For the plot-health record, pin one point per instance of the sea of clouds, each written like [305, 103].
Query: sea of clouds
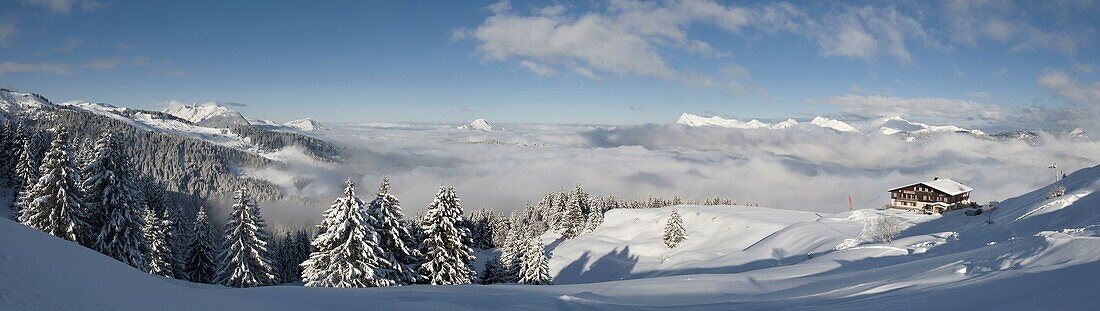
[804, 168]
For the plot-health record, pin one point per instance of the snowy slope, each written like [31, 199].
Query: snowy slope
[1039, 254]
[207, 114]
[307, 124]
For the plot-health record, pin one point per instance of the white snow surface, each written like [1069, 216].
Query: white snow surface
[1038, 254]
[477, 125]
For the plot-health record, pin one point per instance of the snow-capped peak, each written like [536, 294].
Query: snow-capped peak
[698, 121]
[307, 124]
[209, 114]
[837, 125]
[477, 125]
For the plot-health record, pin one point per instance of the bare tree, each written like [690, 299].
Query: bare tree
[884, 229]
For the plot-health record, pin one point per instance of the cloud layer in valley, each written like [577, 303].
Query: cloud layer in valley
[800, 168]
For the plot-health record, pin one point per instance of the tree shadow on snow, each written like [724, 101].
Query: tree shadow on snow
[616, 265]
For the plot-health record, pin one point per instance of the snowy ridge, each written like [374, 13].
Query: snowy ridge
[716, 121]
[896, 125]
[307, 124]
[207, 114]
[838, 125]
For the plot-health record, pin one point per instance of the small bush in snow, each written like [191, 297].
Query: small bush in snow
[884, 229]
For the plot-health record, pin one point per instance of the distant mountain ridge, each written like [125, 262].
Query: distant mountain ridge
[207, 114]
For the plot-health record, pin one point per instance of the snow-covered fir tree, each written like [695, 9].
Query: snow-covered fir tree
[447, 257]
[674, 230]
[534, 266]
[281, 253]
[25, 176]
[244, 260]
[595, 218]
[346, 251]
[117, 216]
[393, 236]
[159, 253]
[199, 260]
[494, 271]
[8, 155]
[481, 229]
[53, 205]
[178, 239]
[572, 222]
[511, 255]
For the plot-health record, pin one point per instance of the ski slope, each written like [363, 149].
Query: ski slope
[1038, 253]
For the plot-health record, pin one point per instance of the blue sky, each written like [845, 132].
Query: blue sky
[616, 62]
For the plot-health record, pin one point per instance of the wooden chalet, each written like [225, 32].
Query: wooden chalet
[936, 196]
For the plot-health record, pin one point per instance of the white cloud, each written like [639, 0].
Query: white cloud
[1061, 83]
[45, 68]
[970, 22]
[537, 68]
[8, 28]
[587, 73]
[978, 95]
[104, 63]
[628, 38]
[928, 108]
[1085, 98]
[777, 168]
[64, 6]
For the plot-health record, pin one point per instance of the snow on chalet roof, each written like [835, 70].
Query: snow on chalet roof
[950, 187]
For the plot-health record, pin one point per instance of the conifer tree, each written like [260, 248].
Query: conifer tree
[199, 262]
[244, 260]
[8, 155]
[346, 252]
[573, 219]
[447, 257]
[535, 266]
[52, 205]
[674, 230]
[159, 253]
[117, 213]
[494, 272]
[25, 176]
[179, 238]
[393, 236]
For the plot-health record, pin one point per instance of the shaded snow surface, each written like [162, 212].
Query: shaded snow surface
[1039, 254]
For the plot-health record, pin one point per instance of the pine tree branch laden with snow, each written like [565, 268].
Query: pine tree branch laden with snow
[244, 260]
[200, 260]
[386, 212]
[674, 230]
[52, 205]
[346, 252]
[447, 257]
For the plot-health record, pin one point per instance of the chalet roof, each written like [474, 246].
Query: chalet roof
[948, 186]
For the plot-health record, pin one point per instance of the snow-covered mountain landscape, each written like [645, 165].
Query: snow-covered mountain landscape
[549, 155]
